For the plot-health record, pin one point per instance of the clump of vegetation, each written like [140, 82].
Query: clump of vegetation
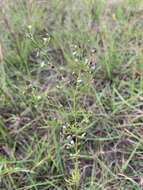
[71, 95]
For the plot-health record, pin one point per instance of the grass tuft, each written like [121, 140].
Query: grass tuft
[71, 95]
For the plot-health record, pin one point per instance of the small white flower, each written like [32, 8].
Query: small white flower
[72, 142]
[42, 64]
[64, 126]
[29, 26]
[83, 135]
[74, 53]
[45, 39]
[79, 81]
[69, 137]
[38, 97]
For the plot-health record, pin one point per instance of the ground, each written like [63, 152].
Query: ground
[71, 95]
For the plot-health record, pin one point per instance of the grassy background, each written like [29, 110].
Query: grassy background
[71, 95]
